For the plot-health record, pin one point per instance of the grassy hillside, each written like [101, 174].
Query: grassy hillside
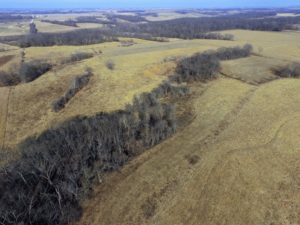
[236, 163]
[139, 68]
[279, 45]
[253, 70]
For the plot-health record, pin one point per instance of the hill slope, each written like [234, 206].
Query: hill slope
[138, 69]
[236, 163]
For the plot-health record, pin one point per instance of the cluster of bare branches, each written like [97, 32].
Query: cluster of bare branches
[291, 70]
[205, 66]
[76, 85]
[56, 169]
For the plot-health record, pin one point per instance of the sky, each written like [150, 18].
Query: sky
[138, 4]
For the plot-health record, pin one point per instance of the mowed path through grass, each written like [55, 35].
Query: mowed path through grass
[4, 99]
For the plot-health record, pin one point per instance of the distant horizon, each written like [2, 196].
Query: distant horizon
[153, 8]
[143, 4]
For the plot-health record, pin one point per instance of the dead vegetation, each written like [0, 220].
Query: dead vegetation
[5, 59]
[254, 70]
[288, 71]
[192, 159]
[77, 56]
[9, 78]
[56, 169]
[110, 65]
[32, 70]
[149, 208]
[205, 66]
[127, 43]
[76, 85]
[27, 72]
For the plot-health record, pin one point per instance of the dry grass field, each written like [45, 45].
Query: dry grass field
[170, 15]
[236, 162]
[145, 58]
[20, 28]
[253, 70]
[49, 27]
[139, 69]
[69, 16]
[278, 45]
[287, 14]
[10, 58]
[53, 28]
[13, 28]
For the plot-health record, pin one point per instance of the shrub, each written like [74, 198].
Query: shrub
[9, 78]
[70, 23]
[204, 66]
[149, 208]
[78, 56]
[234, 52]
[110, 65]
[32, 28]
[7, 155]
[76, 85]
[127, 43]
[32, 70]
[167, 89]
[26, 73]
[199, 67]
[192, 159]
[290, 70]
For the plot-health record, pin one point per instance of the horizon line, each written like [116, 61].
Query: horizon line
[147, 8]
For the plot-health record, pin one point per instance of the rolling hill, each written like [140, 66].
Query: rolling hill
[234, 159]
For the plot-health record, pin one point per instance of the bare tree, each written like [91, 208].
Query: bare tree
[32, 28]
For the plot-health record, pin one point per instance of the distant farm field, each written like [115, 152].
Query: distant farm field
[173, 15]
[279, 45]
[287, 14]
[13, 28]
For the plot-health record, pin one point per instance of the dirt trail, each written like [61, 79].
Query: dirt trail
[196, 177]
